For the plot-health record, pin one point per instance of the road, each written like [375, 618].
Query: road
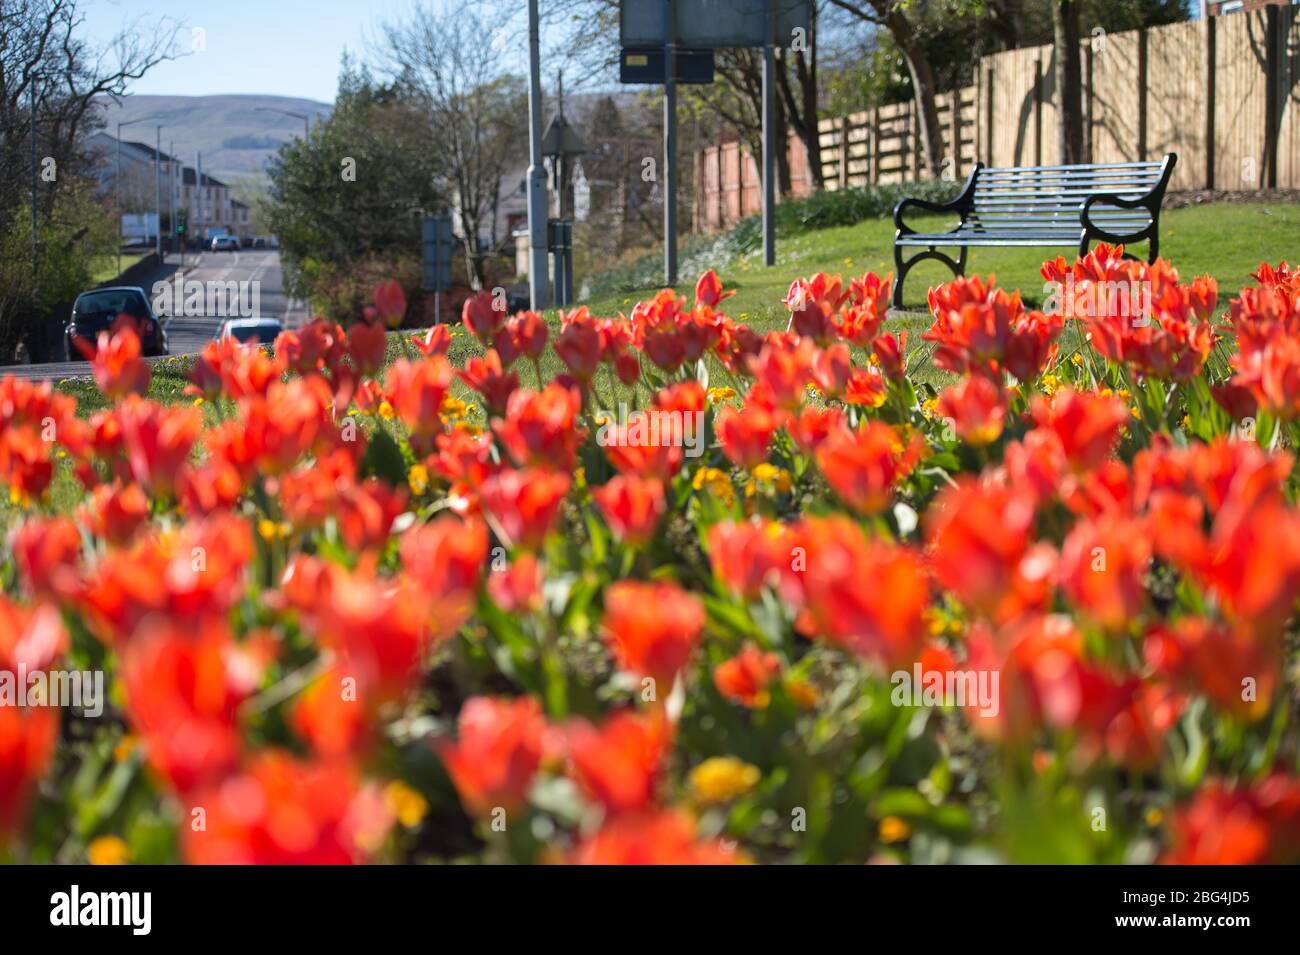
[187, 333]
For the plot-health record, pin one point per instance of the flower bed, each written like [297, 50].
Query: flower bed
[793, 607]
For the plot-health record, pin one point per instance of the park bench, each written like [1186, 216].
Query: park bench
[1030, 206]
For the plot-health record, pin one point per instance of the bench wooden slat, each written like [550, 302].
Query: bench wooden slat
[1144, 164]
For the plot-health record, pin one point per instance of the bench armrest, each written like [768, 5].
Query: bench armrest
[960, 205]
[1150, 200]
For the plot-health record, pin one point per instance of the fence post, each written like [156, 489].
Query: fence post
[1272, 75]
[1142, 94]
[844, 152]
[1087, 101]
[1207, 74]
[1038, 111]
[916, 139]
[874, 173]
[955, 100]
[988, 119]
[722, 189]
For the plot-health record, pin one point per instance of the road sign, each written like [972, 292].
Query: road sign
[712, 24]
[436, 246]
[646, 65]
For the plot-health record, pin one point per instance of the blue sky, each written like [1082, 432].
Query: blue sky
[284, 47]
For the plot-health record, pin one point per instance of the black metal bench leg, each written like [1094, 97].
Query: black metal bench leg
[957, 265]
[900, 271]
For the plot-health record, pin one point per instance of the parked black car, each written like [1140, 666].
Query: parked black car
[97, 310]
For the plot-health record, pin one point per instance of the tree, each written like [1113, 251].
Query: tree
[450, 64]
[44, 59]
[1069, 81]
[893, 16]
[355, 187]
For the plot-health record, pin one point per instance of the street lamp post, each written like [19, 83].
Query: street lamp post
[538, 287]
[157, 186]
[306, 120]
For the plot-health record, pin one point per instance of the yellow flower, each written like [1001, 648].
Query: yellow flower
[1077, 360]
[717, 395]
[1050, 384]
[893, 829]
[108, 850]
[269, 530]
[1154, 817]
[929, 407]
[418, 479]
[385, 410]
[723, 778]
[198, 401]
[405, 803]
[717, 482]
[124, 748]
[802, 692]
[453, 407]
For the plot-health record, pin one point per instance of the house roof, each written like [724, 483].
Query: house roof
[188, 177]
[149, 151]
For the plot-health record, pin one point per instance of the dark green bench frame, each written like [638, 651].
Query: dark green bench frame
[1040, 206]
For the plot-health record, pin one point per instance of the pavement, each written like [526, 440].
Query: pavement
[187, 334]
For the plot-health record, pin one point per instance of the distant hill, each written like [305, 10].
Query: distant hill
[236, 134]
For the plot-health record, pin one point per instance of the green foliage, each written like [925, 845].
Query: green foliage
[354, 188]
[72, 236]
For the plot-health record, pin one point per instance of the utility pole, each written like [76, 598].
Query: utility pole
[171, 195]
[538, 286]
[670, 144]
[198, 203]
[33, 107]
[157, 196]
[769, 131]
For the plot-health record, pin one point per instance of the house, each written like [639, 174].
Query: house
[207, 206]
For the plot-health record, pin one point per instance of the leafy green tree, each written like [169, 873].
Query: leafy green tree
[356, 187]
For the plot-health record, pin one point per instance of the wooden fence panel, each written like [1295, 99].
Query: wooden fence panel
[1175, 87]
[1239, 115]
[1223, 94]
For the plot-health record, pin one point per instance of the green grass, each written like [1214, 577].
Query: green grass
[1225, 240]
[106, 269]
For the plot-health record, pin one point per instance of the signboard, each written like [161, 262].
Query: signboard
[646, 65]
[436, 251]
[711, 24]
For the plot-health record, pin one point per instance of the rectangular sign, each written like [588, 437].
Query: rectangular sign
[647, 66]
[436, 251]
[712, 24]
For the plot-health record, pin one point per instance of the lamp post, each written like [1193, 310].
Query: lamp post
[538, 289]
[559, 143]
[117, 186]
[306, 120]
[157, 189]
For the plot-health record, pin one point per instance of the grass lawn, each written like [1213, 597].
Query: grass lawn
[106, 267]
[1226, 240]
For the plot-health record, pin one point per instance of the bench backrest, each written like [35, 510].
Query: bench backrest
[1066, 187]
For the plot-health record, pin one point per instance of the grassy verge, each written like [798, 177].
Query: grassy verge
[105, 268]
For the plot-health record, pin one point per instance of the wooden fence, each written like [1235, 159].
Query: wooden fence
[884, 144]
[728, 186]
[1223, 93]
